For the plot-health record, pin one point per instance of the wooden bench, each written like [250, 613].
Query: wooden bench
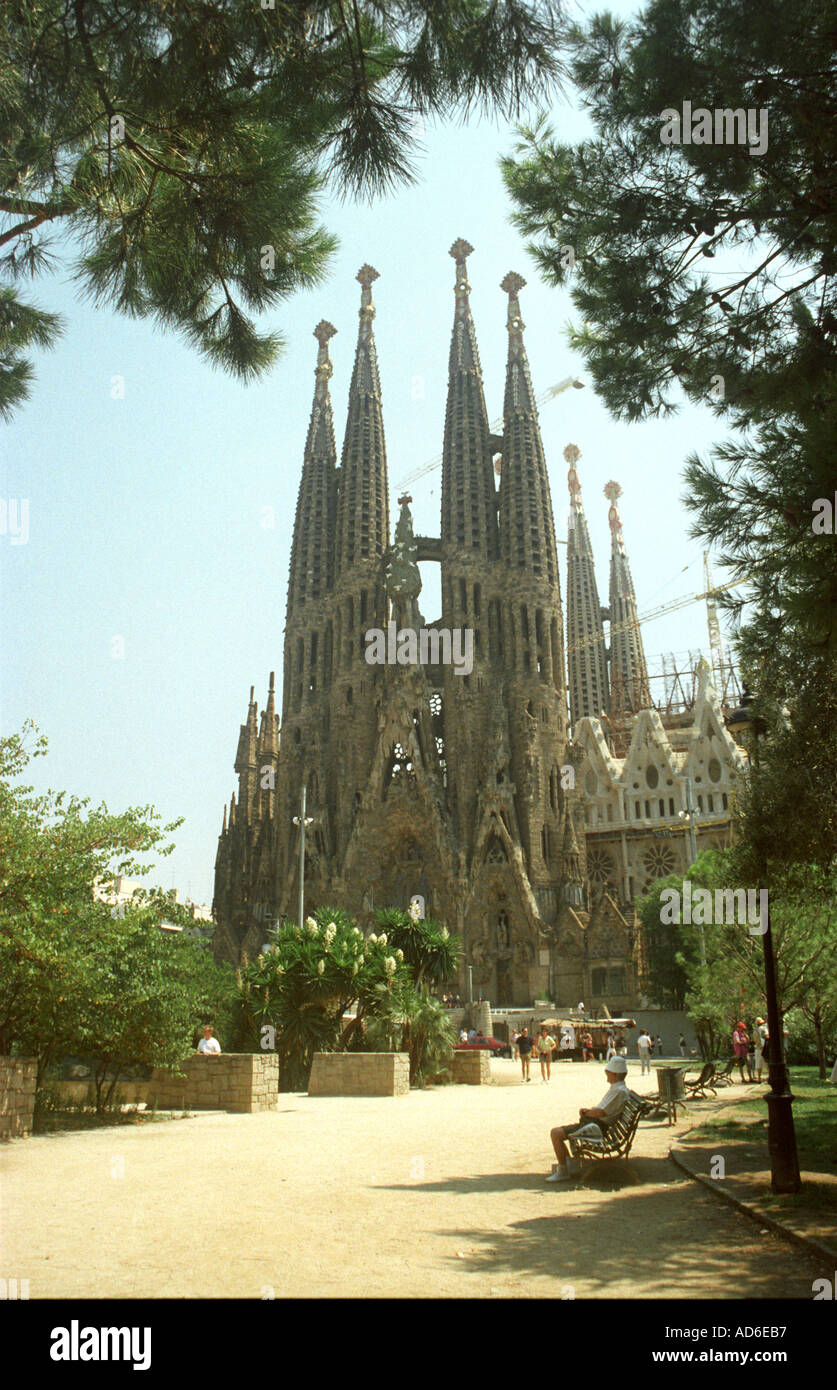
[706, 1081]
[725, 1077]
[616, 1139]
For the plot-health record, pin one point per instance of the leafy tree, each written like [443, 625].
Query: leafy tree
[77, 977]
[185, 142]
[667, 980]
[723, 961]
[145, 993]
[53, 849]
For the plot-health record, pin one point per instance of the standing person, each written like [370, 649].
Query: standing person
[759, 1035]
[659, 1046]
[643, 1047]
[546, 1043]
[587, 1047]
[591, 1122]
[740, 1046]
[751, 1056]
[682, 1046]
[208, 1043]
[611, 1047]
[524, 1051]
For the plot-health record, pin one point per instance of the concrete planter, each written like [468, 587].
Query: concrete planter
[360, 1074]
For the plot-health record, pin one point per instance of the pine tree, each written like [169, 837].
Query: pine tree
[709, 270]
[183, 144]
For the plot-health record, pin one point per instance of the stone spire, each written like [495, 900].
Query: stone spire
[586, 651]
[469, 509]
[312, 552]
[527, 529]
[269, 730]
[246, 758]
[629, 689]
[363, 502]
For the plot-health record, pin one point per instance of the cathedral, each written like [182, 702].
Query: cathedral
[528, 793]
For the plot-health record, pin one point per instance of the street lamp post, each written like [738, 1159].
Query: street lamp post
[302, 820]
[689, 816]
[470, 984]
[781, 1135]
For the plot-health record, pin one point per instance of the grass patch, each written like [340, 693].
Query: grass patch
[815, 1121]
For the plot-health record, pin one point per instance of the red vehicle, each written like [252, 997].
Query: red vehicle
[482, 1044]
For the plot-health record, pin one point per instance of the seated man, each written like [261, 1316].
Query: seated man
[593, 1122]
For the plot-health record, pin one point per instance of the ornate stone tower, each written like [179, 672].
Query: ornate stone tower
[629, 690]
[422, 777]
[586, 651]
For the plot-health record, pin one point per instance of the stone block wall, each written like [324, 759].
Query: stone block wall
[17, 1096]
[360, 1074]
[471, 1068]
[240, 1081]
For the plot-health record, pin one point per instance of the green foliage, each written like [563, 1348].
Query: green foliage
[75, 978]
[422, 1027]
[803, 1044]
[723, 964]
[300, 990]
[430, 952]
[709, 272]
[667, 980]
[179, 141]
[296, 996]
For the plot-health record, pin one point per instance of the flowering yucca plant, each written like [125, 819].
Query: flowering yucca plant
[429, 951]
[306, 983]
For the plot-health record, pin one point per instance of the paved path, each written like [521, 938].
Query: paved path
[437, 1193]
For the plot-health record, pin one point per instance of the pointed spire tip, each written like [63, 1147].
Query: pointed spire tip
[512, 282]
[460, 250]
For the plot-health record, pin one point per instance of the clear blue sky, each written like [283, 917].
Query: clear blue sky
[146, 512]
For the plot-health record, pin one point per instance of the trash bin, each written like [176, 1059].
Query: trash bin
[671, 1084]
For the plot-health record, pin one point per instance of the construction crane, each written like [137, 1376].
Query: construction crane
[495, 430]
[672, 607]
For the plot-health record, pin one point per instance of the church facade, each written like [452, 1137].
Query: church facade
[488, 785]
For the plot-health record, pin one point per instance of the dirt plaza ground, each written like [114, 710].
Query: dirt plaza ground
[439, 1193]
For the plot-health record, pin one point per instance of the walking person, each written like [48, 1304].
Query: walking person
[759, 1035]
[546, 1043]
[682, 1046]
[741, 1047]
[643, 1047]
[611, 1047]
[524, 1052]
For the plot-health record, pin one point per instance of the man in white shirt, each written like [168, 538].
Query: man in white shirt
[644, 1044]
[207, 1042]
[591, 1122]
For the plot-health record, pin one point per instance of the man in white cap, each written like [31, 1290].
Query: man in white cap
[592, 1122]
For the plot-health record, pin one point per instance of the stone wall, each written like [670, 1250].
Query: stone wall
[17, 1096]
[240, 1081]
[471, 1068]
[360, 1074]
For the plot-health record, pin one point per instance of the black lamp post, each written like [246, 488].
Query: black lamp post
[781, 1135]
